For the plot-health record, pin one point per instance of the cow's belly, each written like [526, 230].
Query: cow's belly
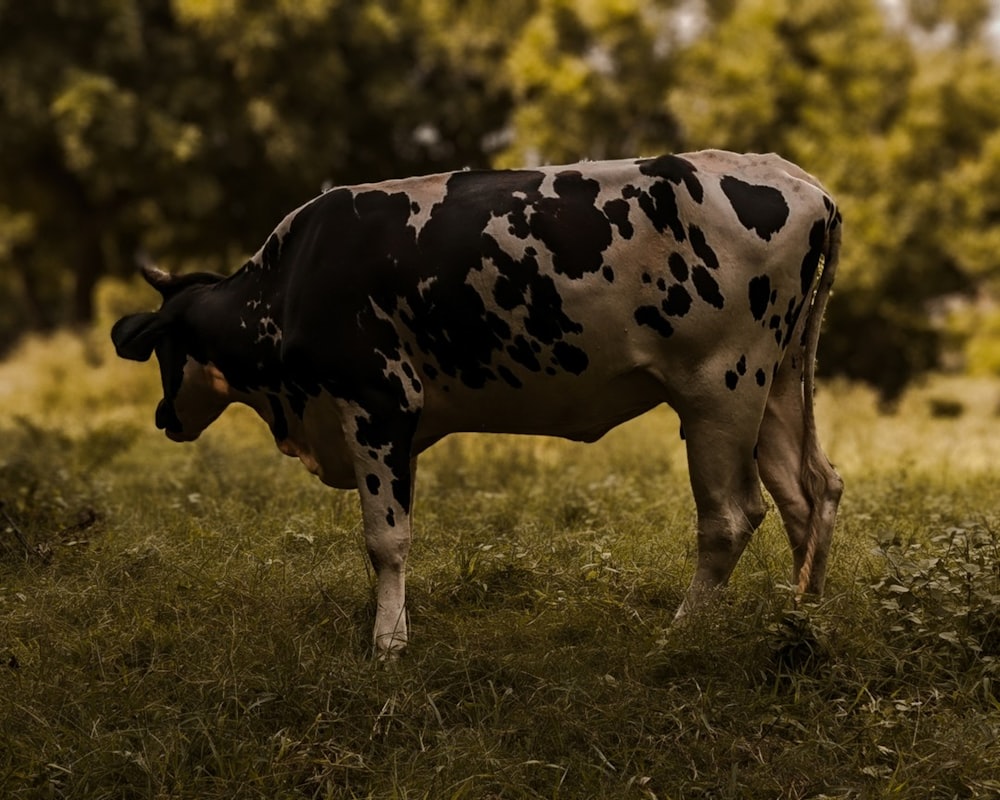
[573, 407]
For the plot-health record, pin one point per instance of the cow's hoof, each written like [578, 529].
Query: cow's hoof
[390, 656]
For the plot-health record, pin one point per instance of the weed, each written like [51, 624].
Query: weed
[943, 591]
[797, 645]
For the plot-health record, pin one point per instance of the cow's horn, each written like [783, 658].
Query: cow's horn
[156, 277]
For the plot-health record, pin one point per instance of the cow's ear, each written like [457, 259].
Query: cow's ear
[136, 335]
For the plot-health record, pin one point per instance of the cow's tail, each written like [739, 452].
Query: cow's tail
[821, 482]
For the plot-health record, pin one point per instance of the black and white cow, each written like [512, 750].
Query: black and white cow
[378, 318]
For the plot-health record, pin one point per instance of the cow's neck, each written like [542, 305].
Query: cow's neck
[242, 320]
[234, 329]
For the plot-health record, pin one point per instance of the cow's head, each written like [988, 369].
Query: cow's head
[195, 391]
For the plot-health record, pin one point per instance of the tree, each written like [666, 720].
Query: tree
[187, 129]
[588, 80]
[97, 145]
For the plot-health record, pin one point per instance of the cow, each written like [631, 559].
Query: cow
[561, 300]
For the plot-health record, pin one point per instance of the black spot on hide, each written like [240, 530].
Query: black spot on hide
[571, 226]
[701, 247]
[390, 439]
[650, 316]
[760, 292]
[678, 301]
[509, 377]
[659, 202]
[707, 287]
[759, 208]
[617, 213]
[678, 267]
[676, 170]
[817, 239]
[570, 357]
[522, 352]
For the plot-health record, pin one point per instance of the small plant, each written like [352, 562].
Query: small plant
[796, 645]
[946, 592]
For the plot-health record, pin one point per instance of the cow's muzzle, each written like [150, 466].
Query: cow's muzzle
[166, 421]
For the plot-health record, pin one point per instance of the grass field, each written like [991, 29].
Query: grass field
[193, 621]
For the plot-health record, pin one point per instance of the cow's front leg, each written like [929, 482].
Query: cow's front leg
[387, 540]
[385, 468]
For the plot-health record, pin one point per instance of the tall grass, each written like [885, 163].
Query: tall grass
[194, 621]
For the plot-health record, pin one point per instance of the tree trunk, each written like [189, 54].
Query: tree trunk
[89, 268]
[37, 314]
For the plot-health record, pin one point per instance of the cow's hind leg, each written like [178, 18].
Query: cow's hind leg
[727, 494]
[794, 468]
[798, 475]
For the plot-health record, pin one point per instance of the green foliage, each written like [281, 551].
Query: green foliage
[961, 20]
[979, 329]
[793, 77]
[188, 129]
[588, 79]
[944, 593]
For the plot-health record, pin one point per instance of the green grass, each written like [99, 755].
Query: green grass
[194, 621]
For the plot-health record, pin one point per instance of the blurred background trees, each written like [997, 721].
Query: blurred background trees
[185, 129]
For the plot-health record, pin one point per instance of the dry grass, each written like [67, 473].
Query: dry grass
[193, 621]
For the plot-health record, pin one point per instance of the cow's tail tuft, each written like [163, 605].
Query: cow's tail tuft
[820, 481]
